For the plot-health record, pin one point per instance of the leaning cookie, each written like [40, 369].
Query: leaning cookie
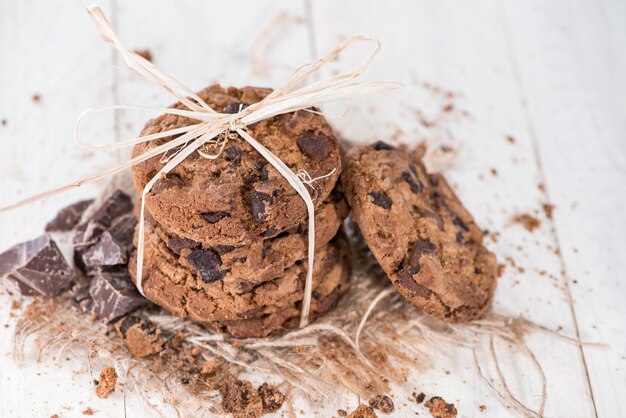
[201, 294]
[239, 196]
[419, 232]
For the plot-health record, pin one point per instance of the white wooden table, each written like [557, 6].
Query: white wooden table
[549, 74]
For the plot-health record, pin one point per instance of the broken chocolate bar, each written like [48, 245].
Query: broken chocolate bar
[68, 217]
[35, 267]
[107, 232]
[114, 295]
[113, 246]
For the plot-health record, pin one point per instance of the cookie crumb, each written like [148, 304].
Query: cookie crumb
[420, 398]
[510, 139]
[106, 384]
[382, 403]
[54, 416]
[271, 397]
[363, 411]
[342, 412]
[548, 209]
[144, 53]
[482, 408]
[88, 411]
[439, 408]
[36, 98]
[527, 221]
[15, 305]
[142, 338]
[240, 399]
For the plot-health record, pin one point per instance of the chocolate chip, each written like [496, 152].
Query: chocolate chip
[459, 222]
[380, 145]
[414, 184]
[258, 200]
[415, 253]
[233, 154]
[459, 237]
[177, 244]
[170, 182]
[208, 263]
[405, 280]
[69, 216]
[234, 107]
[223, 249]
[380, 199]
[214, 217]
[477, 270]
[36, 266]
[269, 232]
[314, 145]
[114, 295]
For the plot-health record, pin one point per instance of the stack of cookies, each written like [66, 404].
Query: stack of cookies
[226, 239]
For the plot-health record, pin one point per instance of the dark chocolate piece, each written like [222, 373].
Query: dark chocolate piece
[214, 217]
[113, 246]
[315, 146]
[81, 299]
[68, 217]
[380, 145]
[381, 199]
[36, 266]
[208, 263]
[257, 205]
[114, 295]
[113, 207]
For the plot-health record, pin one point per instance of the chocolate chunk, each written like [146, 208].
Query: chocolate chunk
[113, 246]
[414, 183]
[382, 403]
[380, 145]
[208, 263]
[381, 199]
[263, 171]
[415, 253]
[420, 398]
[114, 295]
[113, 207]
[81, 299]
[314, 145]
[234, 107]
[269, 232]
[336, 195]
[233, 154]
[223, 249]
[68, 217]
[459, 237]
[166, 183]
[214, 217]
[36, 266]
[459, 222]
[408, 283]
[271, 397]
[177, 244]
[258, 200]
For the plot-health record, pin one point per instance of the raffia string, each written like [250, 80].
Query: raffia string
[214, 129]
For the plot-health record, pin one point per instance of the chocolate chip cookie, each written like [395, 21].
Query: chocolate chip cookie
[325, 297]
[196, 288]
[239, 196]
[419, 232]
[263, 259]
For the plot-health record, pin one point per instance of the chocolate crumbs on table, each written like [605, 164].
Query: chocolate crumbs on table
[363, 411]
[383, 403]
[527, 221]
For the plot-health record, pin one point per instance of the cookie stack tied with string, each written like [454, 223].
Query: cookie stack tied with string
[226, 235]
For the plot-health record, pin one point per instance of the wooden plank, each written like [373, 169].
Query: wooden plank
[571, 65]
[462, 48]
[48, 49]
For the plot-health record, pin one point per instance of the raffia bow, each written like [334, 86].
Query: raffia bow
[215, 129]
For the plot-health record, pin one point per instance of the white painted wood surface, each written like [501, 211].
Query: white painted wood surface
[549, 74]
